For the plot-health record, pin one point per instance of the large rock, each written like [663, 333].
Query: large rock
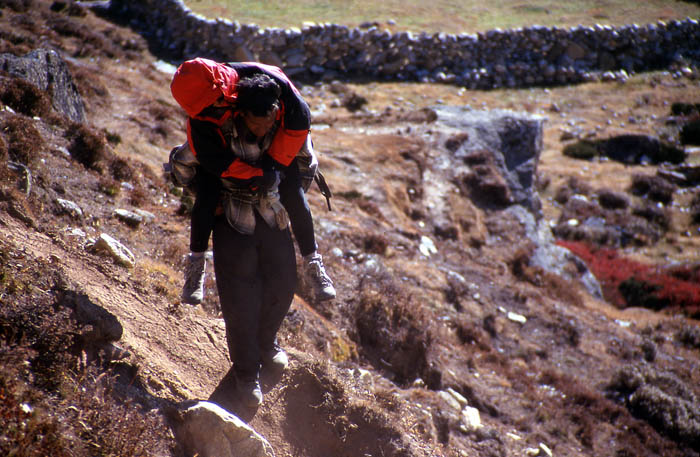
[512, 143]
[208, 430]
[497, 153]
[48, 71]
[106, 328]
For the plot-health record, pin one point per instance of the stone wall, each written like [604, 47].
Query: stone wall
[514, 58]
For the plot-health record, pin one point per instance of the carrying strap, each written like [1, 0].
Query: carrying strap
[323, 187]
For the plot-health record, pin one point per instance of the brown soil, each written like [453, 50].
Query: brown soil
[367, 369]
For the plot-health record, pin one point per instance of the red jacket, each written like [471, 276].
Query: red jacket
[200, 82]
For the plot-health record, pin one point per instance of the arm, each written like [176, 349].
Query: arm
[209, 146]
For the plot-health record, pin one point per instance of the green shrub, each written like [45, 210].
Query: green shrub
[584, 150]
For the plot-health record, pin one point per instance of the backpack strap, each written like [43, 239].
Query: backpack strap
[323, 187]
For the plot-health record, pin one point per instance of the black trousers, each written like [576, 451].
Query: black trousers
[256, 278]
[292, 197]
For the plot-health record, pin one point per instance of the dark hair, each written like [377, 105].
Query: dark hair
[257, 94]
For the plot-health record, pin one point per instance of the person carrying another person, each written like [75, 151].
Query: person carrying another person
[211, 115]
[254, 258]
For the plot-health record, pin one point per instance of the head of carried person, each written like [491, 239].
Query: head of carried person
[258, 103]
[200, 83]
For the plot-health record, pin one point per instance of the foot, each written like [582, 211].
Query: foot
[275, 358]
[249, 392]
[317, 277]
[193, 290]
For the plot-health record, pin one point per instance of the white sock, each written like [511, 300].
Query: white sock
[310, 257]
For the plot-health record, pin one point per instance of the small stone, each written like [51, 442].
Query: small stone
[471, 419]
[70, 208]
[418, 382]
[459, 397]
[450, 400]
[546, 449]
[517, 318]
[107, 245]
[146, 215]
[129, 218]
[427, 246]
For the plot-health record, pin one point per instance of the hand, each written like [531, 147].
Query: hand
[264, 183]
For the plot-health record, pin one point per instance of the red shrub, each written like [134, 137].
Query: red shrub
[626, 282]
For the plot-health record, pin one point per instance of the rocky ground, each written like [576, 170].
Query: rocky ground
[440, 315]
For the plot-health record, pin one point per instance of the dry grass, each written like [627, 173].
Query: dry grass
[162, 278]
[22, 138]
[48, 406]
[447, 16]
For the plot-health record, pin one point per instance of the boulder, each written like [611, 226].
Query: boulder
[48, 71]
[512, 139]
[106, 328]
[208, 430]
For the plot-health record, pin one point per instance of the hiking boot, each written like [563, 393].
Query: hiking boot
[317, 277]
[275, 358]
[249, 392]
[193, 290]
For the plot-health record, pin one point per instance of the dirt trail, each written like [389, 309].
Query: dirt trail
[178, 357]
[182, 356]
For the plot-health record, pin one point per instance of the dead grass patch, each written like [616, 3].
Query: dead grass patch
[163, 279]
[24, 97]
[24, 142]
[393, 333]
[47, 406]
[87, 146]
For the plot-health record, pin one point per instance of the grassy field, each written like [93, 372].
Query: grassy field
[449, 16]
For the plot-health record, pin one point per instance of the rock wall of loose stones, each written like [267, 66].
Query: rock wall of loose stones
[514, 58]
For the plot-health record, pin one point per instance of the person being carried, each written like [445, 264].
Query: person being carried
[213, 110]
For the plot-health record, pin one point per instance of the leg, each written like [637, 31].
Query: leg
[240, 288]
[278, 272]
[202, 222]
[207, 189]
[294, 200]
